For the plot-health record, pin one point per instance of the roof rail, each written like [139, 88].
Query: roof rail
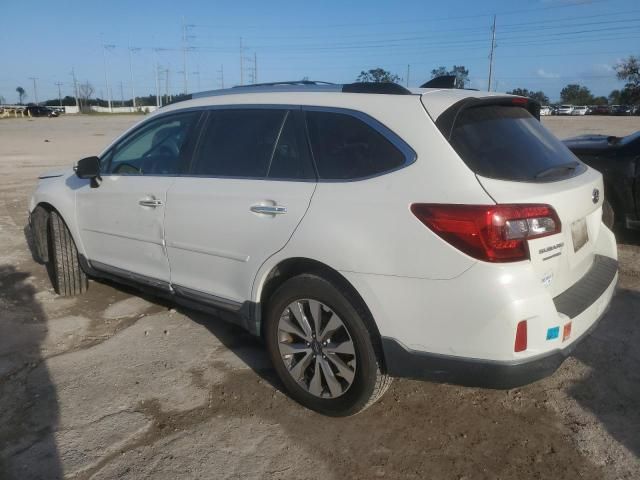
[289, 82]
[309, 86]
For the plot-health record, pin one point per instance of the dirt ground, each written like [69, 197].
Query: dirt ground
[114, 384]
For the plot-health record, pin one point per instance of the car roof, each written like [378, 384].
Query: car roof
[435, 100]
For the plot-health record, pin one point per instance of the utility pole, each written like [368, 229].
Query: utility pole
[35, 89]
[133, 91]
[166, 86]
[241, 63]
[197, 72]
[408, 72]
[75, 88]
[59, 84]
[255, 68]
[493, 47]
[221, 76]
[106, 47]
[157, 85]
[121, 94]
[185, 47]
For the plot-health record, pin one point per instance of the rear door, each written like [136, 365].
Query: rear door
[250, 185]
[517, 160]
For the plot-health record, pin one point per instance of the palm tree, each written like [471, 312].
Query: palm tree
[21, 94]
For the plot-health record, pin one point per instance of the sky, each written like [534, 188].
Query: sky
[541, 44]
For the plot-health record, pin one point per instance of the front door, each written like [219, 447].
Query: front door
[121, 221]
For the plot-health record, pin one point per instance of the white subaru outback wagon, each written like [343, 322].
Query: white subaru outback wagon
[364, 231]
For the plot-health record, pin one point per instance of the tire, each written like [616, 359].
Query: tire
[608, 215]
[66, 274]
[363, 384]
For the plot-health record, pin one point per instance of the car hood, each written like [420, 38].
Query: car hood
[591, 143]
[59, 172]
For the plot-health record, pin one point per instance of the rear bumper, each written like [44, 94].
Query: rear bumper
[404, 362]
[585, 303]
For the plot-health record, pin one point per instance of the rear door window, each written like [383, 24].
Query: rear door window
[239, 142]
[508, 143]
[346, 148]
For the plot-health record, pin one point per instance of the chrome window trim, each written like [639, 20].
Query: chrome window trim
[135, 131]
[410, 156]
[397, 141]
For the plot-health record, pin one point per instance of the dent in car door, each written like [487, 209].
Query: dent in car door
[223, 224]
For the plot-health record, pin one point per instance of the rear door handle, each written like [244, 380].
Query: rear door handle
[151, 202]
[269, 209]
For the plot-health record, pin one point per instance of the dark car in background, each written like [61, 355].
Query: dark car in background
[599, 110]
[38, 111]
[621, 110]
[618, 159]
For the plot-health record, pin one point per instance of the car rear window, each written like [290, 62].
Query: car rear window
[508, 143]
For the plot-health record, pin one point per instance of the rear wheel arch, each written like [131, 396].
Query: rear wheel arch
[293, 267]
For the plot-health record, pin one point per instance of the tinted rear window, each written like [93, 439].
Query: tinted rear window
[508, 143]
[346, 148]
[239, 143]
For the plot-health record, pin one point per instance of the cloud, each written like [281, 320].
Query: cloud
[544, 74]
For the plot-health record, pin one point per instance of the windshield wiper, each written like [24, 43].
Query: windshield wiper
[558, 168]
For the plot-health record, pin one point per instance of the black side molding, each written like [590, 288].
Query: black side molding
[581, 295]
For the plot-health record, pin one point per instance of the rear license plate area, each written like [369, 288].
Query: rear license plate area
[579, 234]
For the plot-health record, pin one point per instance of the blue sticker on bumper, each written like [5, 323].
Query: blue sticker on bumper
[553, 333]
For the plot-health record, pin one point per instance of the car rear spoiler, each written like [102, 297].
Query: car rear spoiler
[446, 121]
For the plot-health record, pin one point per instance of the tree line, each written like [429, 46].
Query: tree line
[628, 70]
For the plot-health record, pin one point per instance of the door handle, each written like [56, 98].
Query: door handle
[269, 209]
[152, 202]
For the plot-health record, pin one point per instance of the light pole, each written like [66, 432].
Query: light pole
[35, 89]
[133, 92]
[106, 47]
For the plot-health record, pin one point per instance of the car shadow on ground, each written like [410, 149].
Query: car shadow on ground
[611, 391]
[29, 409]
[248, 348]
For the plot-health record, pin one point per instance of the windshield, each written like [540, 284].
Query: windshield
[508, 143]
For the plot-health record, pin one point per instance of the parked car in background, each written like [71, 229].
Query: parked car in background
[38, 111]
[618, 159]
[545, 110]
[599, 110]
[579, 110]
[565, 109]
[620, 110]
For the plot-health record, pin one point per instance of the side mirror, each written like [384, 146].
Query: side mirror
[89, 168]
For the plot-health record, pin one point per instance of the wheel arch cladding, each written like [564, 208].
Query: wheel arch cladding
[292, 267]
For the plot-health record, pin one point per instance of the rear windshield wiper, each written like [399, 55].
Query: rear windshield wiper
[547, 172]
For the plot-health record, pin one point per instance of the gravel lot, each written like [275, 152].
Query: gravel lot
[114, 384]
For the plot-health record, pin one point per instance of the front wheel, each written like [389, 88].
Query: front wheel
[67, 276]
[321, 348]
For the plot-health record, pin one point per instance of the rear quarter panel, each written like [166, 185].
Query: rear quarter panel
[366, 226]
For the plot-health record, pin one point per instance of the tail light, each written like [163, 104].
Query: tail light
[494, 233]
